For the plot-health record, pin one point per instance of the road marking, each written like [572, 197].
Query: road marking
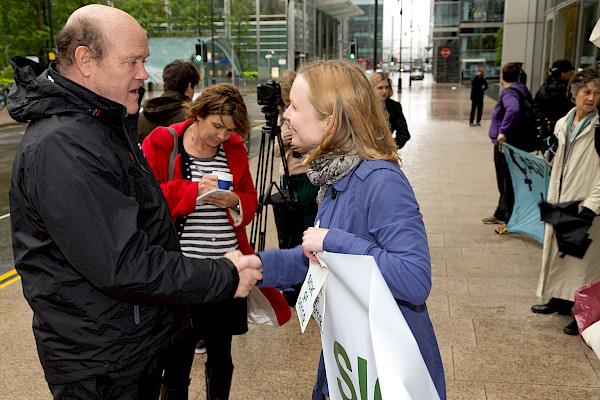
[9, 274]
[9, 282]
[5, 216]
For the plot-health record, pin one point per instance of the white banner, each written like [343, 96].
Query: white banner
[370, 352]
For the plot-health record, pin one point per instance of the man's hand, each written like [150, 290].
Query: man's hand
[248, 279]
[250, 272]
[312, 241]
[234, 256]
[252, 261]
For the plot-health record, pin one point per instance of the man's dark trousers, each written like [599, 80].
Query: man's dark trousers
[476, 105]
[507, 196]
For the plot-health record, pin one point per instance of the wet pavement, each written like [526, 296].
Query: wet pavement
[492, 346]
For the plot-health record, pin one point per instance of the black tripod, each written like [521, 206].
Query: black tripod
[284, 202]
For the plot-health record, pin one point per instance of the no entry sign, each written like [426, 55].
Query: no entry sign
[445, 52]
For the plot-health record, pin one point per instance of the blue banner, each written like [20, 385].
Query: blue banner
[530, 176]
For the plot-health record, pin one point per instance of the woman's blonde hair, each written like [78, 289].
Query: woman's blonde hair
[378, 77]
[341, 90]
[221, 99]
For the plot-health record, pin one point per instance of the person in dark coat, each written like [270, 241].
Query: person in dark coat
[382, 85]
[552, 101]
[180, 80]
[93, 238]
[478, 87]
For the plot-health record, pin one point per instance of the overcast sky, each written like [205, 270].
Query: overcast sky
[421, 18]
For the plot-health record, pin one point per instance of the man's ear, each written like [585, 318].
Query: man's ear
[84, 60]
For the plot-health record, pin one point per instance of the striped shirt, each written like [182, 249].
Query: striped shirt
[207, 232]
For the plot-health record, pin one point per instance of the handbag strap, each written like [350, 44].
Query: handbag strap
[173, 155]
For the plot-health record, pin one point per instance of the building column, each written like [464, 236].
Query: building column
[523, 38]
[291, 35]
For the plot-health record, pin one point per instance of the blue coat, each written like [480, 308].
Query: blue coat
[373, 211]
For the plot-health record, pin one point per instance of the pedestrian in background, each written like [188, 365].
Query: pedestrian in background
[575, 177]
[552, 100]
[180, 79]
[478, 87]
[367, 206]
[304, 190]
[392, 110]
[93, 238]
[211, 140]
[504, 128]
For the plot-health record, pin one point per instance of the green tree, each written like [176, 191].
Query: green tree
[240, 31]
[150, 14]
[25, 26]
[190, 17]
[498, 50]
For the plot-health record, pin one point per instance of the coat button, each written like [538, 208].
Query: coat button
[333, 193]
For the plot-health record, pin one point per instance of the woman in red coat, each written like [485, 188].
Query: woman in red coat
[211, 226]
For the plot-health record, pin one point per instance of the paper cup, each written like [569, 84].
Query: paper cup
[225, 179]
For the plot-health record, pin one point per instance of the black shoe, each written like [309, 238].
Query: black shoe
[571, 329]
[471, 124]
[563, 307]
[478, 124]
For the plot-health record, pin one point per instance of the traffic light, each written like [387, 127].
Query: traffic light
[200, 51]
[353, 50]
[392, 61]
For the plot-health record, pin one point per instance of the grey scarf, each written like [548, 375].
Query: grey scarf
[328, 169]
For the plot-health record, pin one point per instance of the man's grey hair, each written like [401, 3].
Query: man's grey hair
[80, 31]
[582, 78]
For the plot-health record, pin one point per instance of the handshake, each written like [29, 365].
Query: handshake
[249, 269]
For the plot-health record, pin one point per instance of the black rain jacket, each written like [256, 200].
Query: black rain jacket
[93, 238]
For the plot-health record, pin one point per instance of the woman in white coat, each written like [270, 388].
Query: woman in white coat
[575, 176]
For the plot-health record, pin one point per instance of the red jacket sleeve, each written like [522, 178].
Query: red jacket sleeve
[180, 193]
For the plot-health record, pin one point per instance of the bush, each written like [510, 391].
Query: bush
[250, 74]
[6, 77]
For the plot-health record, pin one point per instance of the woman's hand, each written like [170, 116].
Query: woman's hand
[312, 241]
[207, 183]
[286, 137]
[501, 138]
[222, 200]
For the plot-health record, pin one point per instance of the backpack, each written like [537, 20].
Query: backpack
[527, 136]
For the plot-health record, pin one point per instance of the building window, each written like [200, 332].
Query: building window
[446, 15]
[478, 47]
[587, 50]
[482, 10]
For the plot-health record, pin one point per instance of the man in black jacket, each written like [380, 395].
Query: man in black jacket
[180, 78]
[552, 101]
[478, 87]
[93, 238]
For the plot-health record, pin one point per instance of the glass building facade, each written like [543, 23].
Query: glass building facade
[465, 38]
[567, 29]
[361, 29]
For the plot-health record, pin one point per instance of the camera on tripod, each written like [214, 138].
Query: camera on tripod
[268, 95]
[283, 201]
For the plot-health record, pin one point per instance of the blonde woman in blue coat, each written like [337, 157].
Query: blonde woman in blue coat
[367, 206]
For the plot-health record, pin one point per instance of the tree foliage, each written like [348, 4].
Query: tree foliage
[498, 49]
[240, 30]
[25, 25]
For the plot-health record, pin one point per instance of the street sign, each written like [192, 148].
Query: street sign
[445, 52]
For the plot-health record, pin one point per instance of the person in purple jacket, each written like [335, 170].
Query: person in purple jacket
[504, 128]
[366, 204]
